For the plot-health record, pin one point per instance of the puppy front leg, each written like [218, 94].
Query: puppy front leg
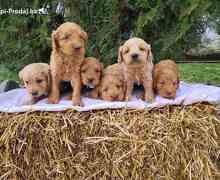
[76, 84]
[54, 95]
[148, 90]
[129, 89]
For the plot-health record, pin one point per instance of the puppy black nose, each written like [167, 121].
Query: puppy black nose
[134, 56]
[168, 93]
[90, 80]
[34, 93]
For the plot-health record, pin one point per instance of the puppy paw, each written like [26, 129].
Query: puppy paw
[127, 98]
[149, 98]
[77, 102]
[53, 100]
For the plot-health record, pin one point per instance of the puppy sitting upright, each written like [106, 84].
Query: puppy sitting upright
[136, 58]
[166, 78]
[91, 72]
[68, 43]
[36, 78]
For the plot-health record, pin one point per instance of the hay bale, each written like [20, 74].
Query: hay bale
[169, 143]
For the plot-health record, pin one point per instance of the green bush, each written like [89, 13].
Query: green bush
[171, 27]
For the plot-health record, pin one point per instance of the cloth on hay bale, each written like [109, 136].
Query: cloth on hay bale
[13, 101]
[178, 142]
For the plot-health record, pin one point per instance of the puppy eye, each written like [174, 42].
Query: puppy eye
[83, 71]
[65, 37]
[105, 90]
[118, 86]
[26, 82]
[97, 70]
[142, 48]
[39, 81]
[174, 83]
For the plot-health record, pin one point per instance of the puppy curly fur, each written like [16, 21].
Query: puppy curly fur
[91, 73]
[68, 53]
[137, 60]
[112, 86]
[166, 78]
[37, 80]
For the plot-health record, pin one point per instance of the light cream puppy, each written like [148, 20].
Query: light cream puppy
[37, 81]
[137, 60]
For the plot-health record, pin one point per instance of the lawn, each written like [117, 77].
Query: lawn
[202, 73]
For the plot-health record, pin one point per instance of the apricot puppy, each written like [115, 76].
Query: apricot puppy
[112, 86]
[68, 53]
[137, 60]
[37, 81]
[166, 78]
[91, 72]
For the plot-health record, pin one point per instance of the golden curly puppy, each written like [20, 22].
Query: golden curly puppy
[112, 86]
[137, 60]
[91, 72]
[166, 78]
[68, 43]
[36, 78]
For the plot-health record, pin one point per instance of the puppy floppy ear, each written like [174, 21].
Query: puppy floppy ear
[84, 36]
[150, 57]
[55, 42]
[100, 90]
[101, 70]
[20, 74]
[155, 78]
[120, 56]
[102, 66]
[178, 81]
[46, 72]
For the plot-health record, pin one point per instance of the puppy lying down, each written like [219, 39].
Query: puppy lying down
[112, 86]
[37, 81]
[166, 78]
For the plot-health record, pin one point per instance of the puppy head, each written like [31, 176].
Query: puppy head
[112, 88]
[166, 84]
[70, 39]
[91, 72]
[36, 78]
[135, 51]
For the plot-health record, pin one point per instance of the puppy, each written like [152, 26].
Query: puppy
[166, 78]
[137, 60]
[36, 78]
[91, 72]
[112, 86]
[68, 53]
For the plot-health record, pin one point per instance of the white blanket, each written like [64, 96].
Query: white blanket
[187, 94]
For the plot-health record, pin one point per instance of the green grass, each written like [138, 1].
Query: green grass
[201, 73]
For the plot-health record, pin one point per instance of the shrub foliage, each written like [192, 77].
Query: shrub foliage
[171, 27]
